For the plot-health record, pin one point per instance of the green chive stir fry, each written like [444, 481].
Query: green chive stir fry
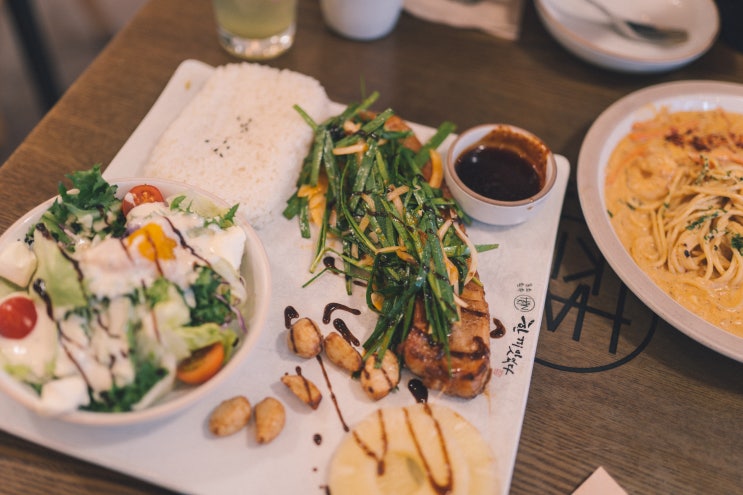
[395, 230]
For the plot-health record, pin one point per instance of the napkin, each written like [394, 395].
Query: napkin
[600, 483]
[501, 18]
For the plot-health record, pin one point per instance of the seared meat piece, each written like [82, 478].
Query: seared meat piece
[468, 372]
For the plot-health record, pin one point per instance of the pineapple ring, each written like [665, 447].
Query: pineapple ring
[420, 449]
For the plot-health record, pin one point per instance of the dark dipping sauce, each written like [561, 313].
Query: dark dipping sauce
[504, 166]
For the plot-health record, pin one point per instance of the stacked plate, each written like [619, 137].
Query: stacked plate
[585, 31]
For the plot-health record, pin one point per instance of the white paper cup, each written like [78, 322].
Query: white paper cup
[361, 19]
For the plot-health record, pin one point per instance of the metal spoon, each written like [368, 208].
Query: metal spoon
[642, 31]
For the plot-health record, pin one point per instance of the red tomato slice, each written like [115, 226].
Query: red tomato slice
[201, 365]
[17, 317]
[143, 193]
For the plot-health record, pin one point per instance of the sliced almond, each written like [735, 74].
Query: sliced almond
[269, 419]
[230, 416]
[379, 380]
[304, 338]
[303, 388]
[341, 353]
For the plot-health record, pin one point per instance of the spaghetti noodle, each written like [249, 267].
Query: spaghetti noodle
[674, 191]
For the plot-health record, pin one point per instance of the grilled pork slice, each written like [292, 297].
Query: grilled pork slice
[468, 371]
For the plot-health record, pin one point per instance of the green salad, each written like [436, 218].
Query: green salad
[110, 301]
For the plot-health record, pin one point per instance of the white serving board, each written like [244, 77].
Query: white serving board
[178, 452]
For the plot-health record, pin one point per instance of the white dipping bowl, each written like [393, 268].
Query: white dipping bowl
[254, 269]
[526, 145]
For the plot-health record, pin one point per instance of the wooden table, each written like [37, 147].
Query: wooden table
[662, 413]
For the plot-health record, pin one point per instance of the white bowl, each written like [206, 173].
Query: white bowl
[493, 211]
[256, 272]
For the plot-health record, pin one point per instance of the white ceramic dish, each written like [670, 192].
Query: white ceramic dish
[489, 210]
[583, 30]
[611, 126]
[163, 452]
[255, 270]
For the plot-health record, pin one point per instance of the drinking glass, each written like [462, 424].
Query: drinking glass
[256, 29]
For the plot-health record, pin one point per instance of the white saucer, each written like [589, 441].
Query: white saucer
[582, 29]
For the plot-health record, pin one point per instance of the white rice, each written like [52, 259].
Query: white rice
[241, 139]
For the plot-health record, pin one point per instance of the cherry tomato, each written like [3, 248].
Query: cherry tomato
[17, 317]
[143, 193]
[201, 365]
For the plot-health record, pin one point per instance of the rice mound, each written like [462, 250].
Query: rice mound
[241, 139]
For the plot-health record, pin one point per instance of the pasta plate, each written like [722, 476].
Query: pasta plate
[600, 141]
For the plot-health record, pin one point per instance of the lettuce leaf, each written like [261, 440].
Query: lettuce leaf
[121, 399]
[205, 335]
[212, 295]
[89, 210]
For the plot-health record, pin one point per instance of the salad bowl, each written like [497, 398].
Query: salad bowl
[254, 272]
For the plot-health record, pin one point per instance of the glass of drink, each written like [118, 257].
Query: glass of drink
[256, 29]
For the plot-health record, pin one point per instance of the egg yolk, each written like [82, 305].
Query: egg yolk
[153, 243]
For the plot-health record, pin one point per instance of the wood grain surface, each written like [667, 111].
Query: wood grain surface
[660, 412]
